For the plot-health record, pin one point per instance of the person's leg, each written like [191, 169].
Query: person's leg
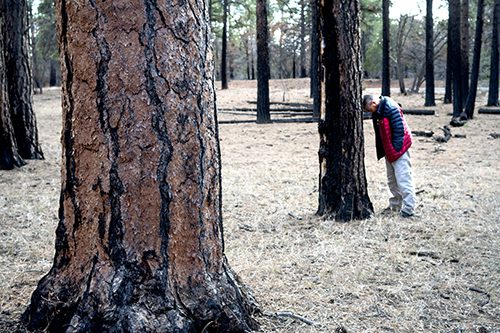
[404, 178]
[396, 200]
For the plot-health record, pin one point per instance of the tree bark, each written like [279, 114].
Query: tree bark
[430, 99]
[471, 98]
[9, 156]
[464, 47]
[18, 76]
[263, 71]
[448, 79]
[223, 67]
[456, 61]
[401, 38]
[303, 72]
[315, 59]
[139, 244]
[343, 193]
[495, 59]
[386, 72]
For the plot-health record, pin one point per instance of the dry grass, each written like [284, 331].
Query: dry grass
[438, 272]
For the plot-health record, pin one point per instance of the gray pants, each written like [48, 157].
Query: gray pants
[400, 181]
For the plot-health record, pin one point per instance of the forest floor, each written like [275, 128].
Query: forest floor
[436, 272]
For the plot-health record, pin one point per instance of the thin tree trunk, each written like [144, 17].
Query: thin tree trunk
[456, 63]
[223, 67]
[263, 71]
[18, 76]
[401, 38]
[429, 57]
[495, 59]
[471, 98]
[464, 36]
[248, 54]
[343, 193]
[386, 72]
[315, 59]
[449, 58]
[303, 72]
[53, 73]
[139, 244]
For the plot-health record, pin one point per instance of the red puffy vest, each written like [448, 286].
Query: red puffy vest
[386, 135]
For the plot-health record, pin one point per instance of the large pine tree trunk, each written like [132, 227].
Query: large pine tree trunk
[471, 98]
[449, 57]
[495, 59]
[263, 70]
[139, 244]
[343, 193]
[9, 156]
[429, 57]
[386, 71]
[18, 75]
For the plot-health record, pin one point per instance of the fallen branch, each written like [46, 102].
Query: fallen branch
[429, 254]
[495, 135]
[307, 105]
[447, 135]
[477, 290]
[281, 121]
[419, 112]
[489, 111]
[427, 134]
[292, 315]
[271, 110]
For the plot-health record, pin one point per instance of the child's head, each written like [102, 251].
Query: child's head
[370, 103]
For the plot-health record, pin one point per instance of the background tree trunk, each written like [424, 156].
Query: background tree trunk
[18, 76]
[471, 98]
[263, 71]
[401, 38]
[303, 72]
[429, 57]
[315, 59]
[464, 44]
[494, 62]
[139, 244]
[456, 62]
[448, 80]
[223, 67]
[9, 156]
[343, 193]
[386, 72]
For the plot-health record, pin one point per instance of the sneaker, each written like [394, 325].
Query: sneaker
[405, 214]
[388, 211]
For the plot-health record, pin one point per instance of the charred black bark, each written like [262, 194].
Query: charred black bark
[471, 98]
[448, 78]
[263, 70]
[302, 72]
[9, 157]
[343, 193]
[456, 61]
[19, 81]
[495, 58]
[386, 65]
[223, 67]
[315, 59]
[429, 57]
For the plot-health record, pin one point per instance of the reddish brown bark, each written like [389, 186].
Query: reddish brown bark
[139, 244]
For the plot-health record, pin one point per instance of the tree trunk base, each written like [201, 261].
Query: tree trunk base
[125, 302]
